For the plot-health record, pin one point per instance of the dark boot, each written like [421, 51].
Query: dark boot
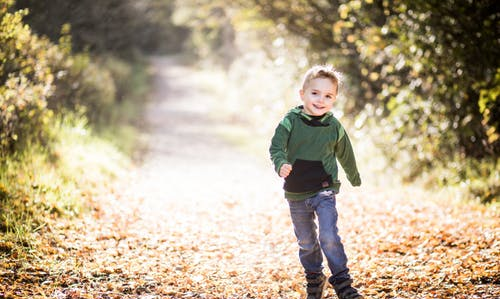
[344, 290]
[315, 285]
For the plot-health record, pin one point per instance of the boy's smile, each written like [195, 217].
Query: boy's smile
[318, 96]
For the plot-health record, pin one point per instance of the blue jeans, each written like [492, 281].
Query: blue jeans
[303, 213]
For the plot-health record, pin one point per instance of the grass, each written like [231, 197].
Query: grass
[60, 179]
[40, 184]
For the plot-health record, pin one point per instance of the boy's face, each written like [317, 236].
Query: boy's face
[318, 96]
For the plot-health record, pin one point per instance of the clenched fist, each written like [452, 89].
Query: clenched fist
[285, 170]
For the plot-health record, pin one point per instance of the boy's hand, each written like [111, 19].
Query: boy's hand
[285, 170]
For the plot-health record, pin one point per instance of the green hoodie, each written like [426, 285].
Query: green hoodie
[312, 146]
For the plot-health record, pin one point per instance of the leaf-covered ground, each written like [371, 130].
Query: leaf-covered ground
[202, 219]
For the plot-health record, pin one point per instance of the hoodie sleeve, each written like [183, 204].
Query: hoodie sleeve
[345, 155]
[278, 148]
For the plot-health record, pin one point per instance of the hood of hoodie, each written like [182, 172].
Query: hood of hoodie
[323, 120]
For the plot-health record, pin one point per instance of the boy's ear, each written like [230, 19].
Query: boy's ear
[301, 93]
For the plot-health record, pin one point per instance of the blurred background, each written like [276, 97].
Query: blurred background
[419, 100]
[420, 93]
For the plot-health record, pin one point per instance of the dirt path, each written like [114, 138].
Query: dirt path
[198, 219]
[202, 219]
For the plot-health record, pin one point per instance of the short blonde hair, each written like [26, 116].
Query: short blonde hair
[323, 71]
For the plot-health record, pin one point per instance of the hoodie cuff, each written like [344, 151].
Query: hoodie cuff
[356, 180]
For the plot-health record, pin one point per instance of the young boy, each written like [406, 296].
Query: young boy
[304, 150]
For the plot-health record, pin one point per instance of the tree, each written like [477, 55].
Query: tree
[429, 68]
[117, 26]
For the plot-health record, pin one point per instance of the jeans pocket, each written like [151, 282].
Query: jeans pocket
[327, 193]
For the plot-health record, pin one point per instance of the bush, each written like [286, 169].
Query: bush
[40, 79]
[50, 99]
[84, 85]
[26, 79]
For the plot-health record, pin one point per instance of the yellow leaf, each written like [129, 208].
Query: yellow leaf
[492, 135]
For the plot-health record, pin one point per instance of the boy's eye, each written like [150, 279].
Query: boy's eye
[314, 93]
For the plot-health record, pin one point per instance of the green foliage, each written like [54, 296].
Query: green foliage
[425, 71]
[37, 185]
[41, 79]
[31, 66]
[50, 99]
[124, 118]
[212, 32]
[85, 85]
[477, 180]
[431, 57]
[117, 26]
[489, 107]
[26, 80]
[484, 181]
